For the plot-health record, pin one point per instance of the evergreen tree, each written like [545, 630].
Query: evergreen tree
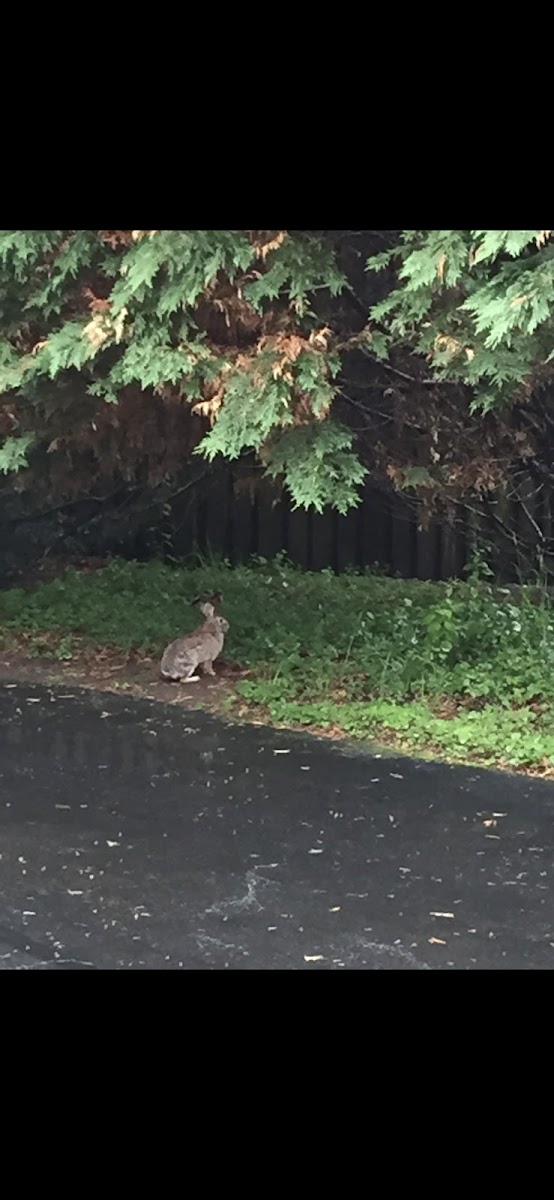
[476, 304]
[216, 323]
[133, 349]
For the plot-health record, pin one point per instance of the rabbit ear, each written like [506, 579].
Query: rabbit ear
[207, 609]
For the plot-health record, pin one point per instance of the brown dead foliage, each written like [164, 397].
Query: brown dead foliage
[153, 433]
[464, 454]
[284, 347]
[96, 304]
[266, 240]
[116, 237]
[226, 316]
[8, 420]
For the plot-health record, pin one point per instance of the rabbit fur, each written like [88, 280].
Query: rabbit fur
[182, 657]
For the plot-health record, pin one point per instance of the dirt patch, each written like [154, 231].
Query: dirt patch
[113, 670]
[105, 668]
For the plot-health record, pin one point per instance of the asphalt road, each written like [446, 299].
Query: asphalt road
[138, 836]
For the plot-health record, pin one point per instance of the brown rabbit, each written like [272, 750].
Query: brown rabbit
[182, 657]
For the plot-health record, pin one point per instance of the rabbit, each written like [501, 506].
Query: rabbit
[181, 658]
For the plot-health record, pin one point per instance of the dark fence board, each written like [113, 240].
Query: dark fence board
[299, 540]
[404, 539]
[346, 541]
[323, 540]
[217, 512]
[382, 531]
[270, 525]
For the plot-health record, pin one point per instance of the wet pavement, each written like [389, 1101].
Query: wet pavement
[134, 835]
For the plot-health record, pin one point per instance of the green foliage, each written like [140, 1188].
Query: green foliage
[120, 309]
[252, 414]
[227, 325]
[320, 466]
[478, 304]
[13, 453]
[304, 264]
[515, 738]
[461, 669]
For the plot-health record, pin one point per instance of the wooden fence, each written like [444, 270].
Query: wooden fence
[225, 518]
[383, 531]
[217, 511]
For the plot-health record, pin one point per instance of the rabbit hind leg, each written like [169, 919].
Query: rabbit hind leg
[189, 676]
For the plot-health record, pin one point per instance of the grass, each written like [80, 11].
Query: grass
[462, 671]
